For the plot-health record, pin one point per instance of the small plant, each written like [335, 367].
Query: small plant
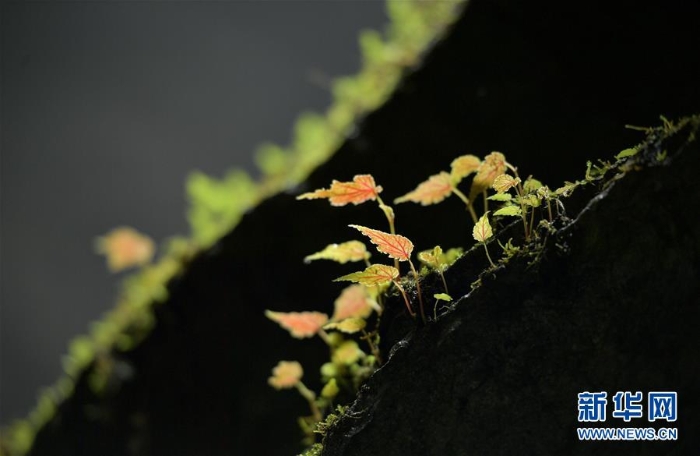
[513, 197]
[482, 232]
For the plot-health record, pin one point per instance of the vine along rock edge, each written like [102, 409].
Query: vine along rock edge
[616, 310]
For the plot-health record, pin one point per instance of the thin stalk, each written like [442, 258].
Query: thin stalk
[466, 201]
[520, 191]
[324, 337]
[444, 282]
[420, 294]
[372, 346]
[488, 256]
[405, 299]
[486, 201]
[549, 210]
[390, 217]
[532, 220]
[310, 396]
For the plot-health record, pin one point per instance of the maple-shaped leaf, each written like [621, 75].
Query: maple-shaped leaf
[285, 375]
[299, 324]
[463, 166]
[377, 274]
[354, 301]
[504, 182]
[432, 191]
[348, 326]
[361, 189]
[341, 253]
[124, 248]
[494, 165]
[482, 230]
[394, 245]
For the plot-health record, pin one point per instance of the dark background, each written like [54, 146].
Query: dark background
[106, 107]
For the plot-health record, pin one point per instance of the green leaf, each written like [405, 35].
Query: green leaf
[626, 153]
[501, 197]
[348, 326]
[482, 230]
[341, 253]
[330, 390]
[531, 185]
[442, 297]
[530, 200]
[377, 274]
[511, 211]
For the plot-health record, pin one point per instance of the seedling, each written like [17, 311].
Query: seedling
[287, 375]
[379, 275]
[440, 186]
[435, 259]
[397, 247]
[361, 189]
[482, 232]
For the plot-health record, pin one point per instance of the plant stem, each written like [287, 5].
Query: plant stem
[405, 299]
[389, 214]
[532, 220]
[310, 396]
[444, 282]
[549, 209]
[488, 256]
[420, 295]
[372, 346]
[466, 201]
[486, 201]
[324, 337]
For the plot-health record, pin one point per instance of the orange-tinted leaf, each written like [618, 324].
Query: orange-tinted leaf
[505, 182]
[394, 245]
[341, 253]
[463, 166]
[482, 230]
[299, 324]
[285, 375]
[435, 189]
[361, 189]
[377, 274]
[494, 165]
[125, 247]
[354, 301]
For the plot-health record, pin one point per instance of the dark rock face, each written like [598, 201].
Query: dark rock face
[550, 90]
[616, 311]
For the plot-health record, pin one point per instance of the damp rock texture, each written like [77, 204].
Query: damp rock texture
[612, 306]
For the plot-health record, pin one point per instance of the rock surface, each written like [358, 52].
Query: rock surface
[615, 310]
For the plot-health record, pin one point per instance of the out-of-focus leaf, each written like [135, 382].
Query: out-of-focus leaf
[299, 324]
[341, 253]
[432, 191]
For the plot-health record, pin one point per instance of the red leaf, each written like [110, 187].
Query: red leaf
[361, 189]
[432, 191]
[394, 245]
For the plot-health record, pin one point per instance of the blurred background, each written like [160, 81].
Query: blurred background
[106, 107]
